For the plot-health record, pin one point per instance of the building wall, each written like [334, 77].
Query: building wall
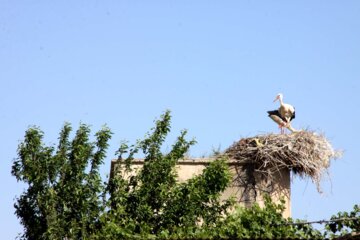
[248, 186]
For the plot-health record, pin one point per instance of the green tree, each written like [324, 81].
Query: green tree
[64, 185]
[152, 203]
[344, 223]
[261, 223]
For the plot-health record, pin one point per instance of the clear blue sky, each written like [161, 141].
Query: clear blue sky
[216, 64]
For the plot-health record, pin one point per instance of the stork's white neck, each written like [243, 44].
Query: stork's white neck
[281, 101]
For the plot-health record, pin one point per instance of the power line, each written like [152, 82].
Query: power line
[321, 221]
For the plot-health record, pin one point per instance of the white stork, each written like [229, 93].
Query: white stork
[283, 115]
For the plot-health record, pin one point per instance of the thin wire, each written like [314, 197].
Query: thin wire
[320, 221]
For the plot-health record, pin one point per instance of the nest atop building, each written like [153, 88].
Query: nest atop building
[305, 153]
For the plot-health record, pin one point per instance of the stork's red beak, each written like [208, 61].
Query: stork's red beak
[277, 98]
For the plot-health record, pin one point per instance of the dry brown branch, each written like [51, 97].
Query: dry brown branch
[306, 153]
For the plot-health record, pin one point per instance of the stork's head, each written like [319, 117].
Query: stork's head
[278, 97]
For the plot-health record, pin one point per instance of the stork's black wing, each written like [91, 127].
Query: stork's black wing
[293, 115]
[276, 113]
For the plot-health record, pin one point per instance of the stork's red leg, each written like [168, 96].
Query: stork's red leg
[281, 129]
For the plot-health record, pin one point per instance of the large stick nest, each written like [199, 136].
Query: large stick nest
[305, 153]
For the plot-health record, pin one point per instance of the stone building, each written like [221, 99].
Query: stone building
[248, 185]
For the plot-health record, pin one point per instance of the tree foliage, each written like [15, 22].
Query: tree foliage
[64, 184]
[152, 202]
[350, 222]
[65, 197]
